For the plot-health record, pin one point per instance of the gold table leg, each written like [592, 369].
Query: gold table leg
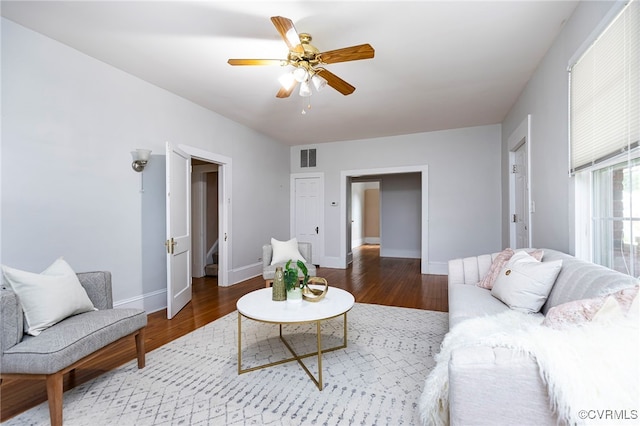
[295, 357]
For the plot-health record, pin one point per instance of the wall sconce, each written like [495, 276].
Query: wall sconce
[140, 159]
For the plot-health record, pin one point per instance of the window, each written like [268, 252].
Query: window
[604, 144]
[616, 216]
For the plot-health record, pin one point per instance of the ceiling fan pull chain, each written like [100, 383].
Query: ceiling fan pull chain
[304, 111]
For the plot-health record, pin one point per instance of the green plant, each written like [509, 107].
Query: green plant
[305, 272]
[291, 279]
[290, 276]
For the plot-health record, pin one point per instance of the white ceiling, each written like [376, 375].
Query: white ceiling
[438, 64]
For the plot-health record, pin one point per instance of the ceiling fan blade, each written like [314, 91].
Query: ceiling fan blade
[353, 53]
[288, 33]
[256, 62]
[336, 82]
[285, 93]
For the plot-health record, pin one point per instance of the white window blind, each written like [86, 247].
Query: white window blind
[605, 93]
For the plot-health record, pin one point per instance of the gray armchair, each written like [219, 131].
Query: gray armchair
[269, 270]
[68, 344]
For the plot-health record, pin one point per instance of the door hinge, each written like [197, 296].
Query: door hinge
[515, 218]
[514, 169]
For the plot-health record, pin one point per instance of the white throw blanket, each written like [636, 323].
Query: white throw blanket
[594, 365]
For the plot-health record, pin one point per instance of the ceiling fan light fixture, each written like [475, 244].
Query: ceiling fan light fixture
[305, 89]
[318, 82]
[287, 81]
[300, 74]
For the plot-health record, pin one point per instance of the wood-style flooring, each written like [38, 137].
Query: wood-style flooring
[371, 279]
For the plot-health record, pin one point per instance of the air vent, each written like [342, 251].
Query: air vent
[308, 158]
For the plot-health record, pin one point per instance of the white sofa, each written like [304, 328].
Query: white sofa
[498, 385]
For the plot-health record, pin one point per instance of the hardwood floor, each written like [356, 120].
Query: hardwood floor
[371, 279]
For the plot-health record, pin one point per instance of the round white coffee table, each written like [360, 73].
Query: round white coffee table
[258, 306]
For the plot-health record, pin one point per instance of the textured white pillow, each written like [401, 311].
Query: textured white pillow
[285, 250]
[49, 297]
[524, 283]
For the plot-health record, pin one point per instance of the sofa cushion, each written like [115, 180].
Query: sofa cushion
[283, 251]
[585, 310]
[524, 283]
[49, 297]
[579, 279]
[498, 263]
[71, 340]
[470, 301]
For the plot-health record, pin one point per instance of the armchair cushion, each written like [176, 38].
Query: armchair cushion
[49, 297]
[285, 250]
[269, 268]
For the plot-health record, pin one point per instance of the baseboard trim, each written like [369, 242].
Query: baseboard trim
[150, 302]
[406, 254]
[439, 268]
[244, 273]
[333, 262]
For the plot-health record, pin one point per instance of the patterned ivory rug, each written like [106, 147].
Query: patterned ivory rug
[376, 380]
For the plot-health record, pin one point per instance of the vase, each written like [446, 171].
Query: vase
[278, 293]
[294, 295]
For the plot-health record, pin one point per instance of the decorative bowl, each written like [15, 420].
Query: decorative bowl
[315, 294]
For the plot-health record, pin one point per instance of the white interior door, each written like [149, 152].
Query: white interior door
[520, 217]
[308, 213]
[178, 229]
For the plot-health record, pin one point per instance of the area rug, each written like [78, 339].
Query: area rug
[376, 380]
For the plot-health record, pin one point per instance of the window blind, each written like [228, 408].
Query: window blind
[605, 93]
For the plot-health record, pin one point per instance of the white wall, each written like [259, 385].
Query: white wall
[357, 213]
[69, 123]
[400, 212]
[546, 99]
[464, 184]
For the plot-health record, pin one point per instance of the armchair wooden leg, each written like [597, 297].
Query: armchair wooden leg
[54, 395]
[140, 352]
[268, 283]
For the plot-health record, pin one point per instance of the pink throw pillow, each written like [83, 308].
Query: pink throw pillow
[496, 266]
[581, 311]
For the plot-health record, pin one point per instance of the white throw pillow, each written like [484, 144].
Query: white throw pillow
[524, 283]
[285, 250]
[49, 297]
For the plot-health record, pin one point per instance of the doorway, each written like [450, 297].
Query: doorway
[346, 179]
[178, 198]
[365, 212]
[520, 204]
[204, 218]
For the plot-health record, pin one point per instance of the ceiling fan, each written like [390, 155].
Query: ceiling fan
[308, 61]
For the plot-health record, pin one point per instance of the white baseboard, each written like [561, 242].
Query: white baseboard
[406, 254]
[439, 268]
[150, 302]
[333, 262]
[244, 273]
[372, 240]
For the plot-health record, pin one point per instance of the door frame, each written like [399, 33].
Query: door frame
[292, 210]
[520, 136]
[224, 201]
[345, 180]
